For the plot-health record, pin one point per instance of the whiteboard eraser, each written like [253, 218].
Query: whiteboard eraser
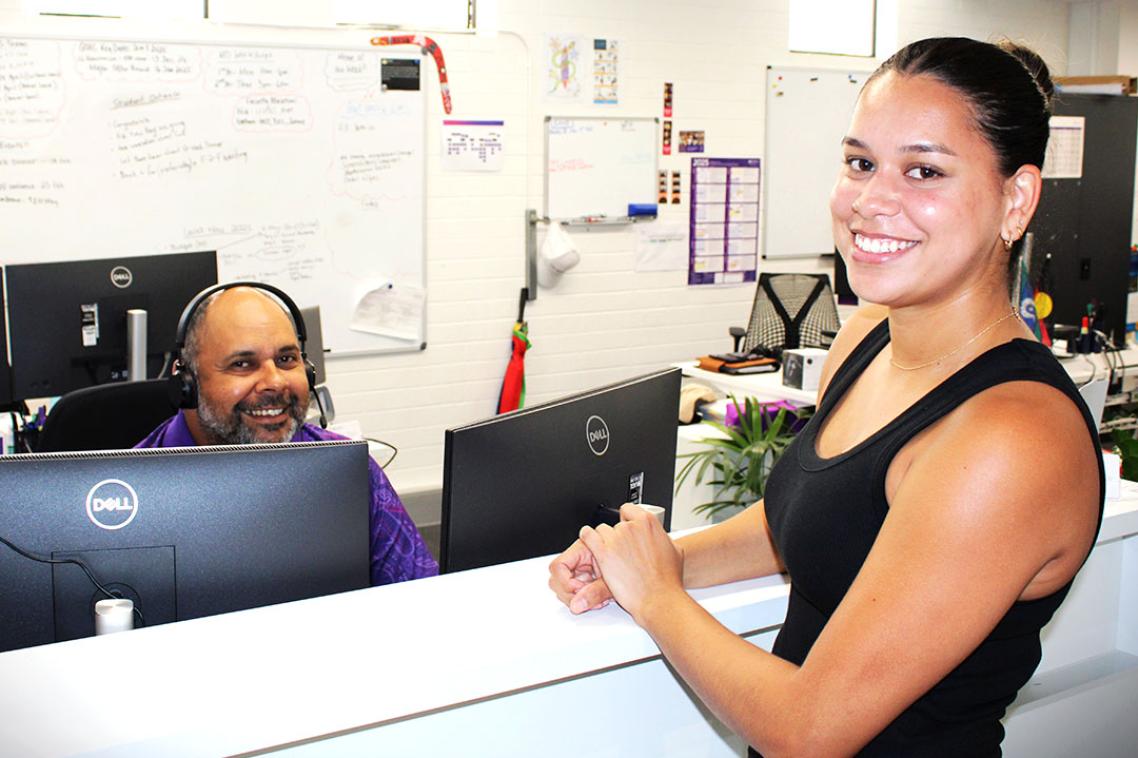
[642, 209]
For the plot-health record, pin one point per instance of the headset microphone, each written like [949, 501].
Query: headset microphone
[320, 405]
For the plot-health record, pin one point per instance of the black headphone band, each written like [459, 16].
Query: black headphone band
[198, 299]
[182, 385]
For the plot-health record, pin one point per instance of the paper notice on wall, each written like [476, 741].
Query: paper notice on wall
[606, 58]
[473, 145]
[661, 247]
[391, 310]
[1064, 158]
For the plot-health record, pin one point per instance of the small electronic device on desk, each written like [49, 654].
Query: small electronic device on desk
[802, 368]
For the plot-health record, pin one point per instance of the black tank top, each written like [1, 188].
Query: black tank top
[825, 514]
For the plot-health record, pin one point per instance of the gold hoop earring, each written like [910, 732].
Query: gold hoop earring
[1008, 242]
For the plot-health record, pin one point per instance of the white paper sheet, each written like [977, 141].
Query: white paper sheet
[1064, 159]
[473, 145]
[391, 310]
[661, 247]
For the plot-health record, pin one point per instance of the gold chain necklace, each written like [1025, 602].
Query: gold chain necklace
[956, 349]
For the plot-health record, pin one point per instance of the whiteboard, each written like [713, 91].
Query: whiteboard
[597, 166]
[296, 164]
[807, 114]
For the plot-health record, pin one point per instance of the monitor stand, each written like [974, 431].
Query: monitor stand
[145, 575]
[136, 345]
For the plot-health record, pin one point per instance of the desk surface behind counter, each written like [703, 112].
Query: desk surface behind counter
[364, 665]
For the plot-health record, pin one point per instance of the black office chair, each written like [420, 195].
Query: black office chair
[789, 311]
[112, 416]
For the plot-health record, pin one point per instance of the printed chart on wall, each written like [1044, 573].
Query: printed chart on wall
[301, 167]
[472, 145]
[724, 234]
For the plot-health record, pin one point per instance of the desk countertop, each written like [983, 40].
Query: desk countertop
[270, 676]
[1082, 369]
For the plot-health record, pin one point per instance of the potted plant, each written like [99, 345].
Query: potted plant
[737, 464]
[1127, 448]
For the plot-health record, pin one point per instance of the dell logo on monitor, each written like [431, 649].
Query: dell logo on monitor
[121, 277]
[112, 504]
[597, 432]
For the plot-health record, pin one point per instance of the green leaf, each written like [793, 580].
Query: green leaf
[739, 463]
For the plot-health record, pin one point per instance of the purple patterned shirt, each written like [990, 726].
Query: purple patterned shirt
[398, 552]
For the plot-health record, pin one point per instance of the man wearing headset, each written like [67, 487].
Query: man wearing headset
[242, 377]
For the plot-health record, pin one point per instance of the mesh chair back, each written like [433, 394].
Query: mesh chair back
[790, 311]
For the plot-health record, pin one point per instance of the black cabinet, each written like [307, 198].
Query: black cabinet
[1085, 223]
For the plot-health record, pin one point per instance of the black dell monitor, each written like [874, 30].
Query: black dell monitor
[67, 321]
[523, 484]
[183, 532]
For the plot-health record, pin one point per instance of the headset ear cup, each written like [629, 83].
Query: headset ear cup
[182, 389]
[189, 390]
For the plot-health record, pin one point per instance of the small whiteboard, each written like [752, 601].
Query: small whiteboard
[598, 166]
[807, 114]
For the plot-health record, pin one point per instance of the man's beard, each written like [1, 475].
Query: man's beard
[231, 429]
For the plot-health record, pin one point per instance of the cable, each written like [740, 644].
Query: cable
[1094, 369]
[167, 360]
[394, 451]
[1108, 356]
[59, 561]
[1113, 358]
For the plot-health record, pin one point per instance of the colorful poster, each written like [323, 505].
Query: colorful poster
[562, 68]
[472, 145]
[691, 142]
[723, 246]
[605, 76]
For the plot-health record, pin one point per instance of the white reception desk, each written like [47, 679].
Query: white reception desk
[487, 662]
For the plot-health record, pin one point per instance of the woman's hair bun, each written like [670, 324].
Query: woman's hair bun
[1034, 65]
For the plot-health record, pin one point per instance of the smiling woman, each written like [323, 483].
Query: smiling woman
[916, 513]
